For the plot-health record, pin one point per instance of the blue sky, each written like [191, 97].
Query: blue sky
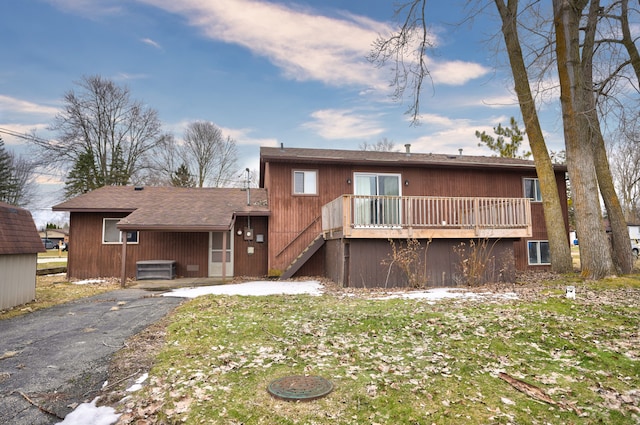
[266, 72]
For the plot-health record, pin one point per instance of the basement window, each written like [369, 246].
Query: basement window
[112, 235]
[539, 253]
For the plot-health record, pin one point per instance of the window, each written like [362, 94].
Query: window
[532, 190]
[539, 252]
[111, 234]
[304, 183]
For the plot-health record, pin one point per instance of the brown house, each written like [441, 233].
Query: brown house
[319, 212]
[334, 213]
[19, 247]
[139, 232]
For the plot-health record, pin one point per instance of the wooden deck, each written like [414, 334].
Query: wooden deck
[423, 217]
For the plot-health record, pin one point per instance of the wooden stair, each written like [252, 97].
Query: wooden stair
[304, 256]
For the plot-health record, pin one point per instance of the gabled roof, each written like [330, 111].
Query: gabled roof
[171, 208]
[390, 159]
[18, 233]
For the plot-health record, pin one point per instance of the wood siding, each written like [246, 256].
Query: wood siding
[17, 279]
[90, 258]
[296, 219]
[256, 264]
[362, 263]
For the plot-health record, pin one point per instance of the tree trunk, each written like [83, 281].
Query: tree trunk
[595, 252]
[620, 241]
[557, 233]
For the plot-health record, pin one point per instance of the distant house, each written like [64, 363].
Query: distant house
[19, 247]
[204, 232]
[320, 212]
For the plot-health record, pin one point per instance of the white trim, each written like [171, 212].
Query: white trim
[539, 263]
[120, 232]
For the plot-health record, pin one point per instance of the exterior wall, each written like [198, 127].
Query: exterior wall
[366, 263]
[295, 219]
[17, 279]
[255, 264]
[90, 258]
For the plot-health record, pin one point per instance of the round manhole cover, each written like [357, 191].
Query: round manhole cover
[302, 388]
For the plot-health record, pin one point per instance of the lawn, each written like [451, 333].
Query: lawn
[56, 289]
[401, 361]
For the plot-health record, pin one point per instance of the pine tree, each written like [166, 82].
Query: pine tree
[81, 178]
[182, 178]
[500, 146]
[7, 180]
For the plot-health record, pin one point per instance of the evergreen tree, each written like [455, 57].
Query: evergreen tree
[182, 178]
[7, 179]
[82, 177]
[503, 148]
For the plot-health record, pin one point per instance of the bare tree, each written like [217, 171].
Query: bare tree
[401, 47]
[211, 157]
[102, 126]
[382, 145]
[625, 166]
[16, 178]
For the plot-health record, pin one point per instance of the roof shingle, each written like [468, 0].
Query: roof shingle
[18, 233]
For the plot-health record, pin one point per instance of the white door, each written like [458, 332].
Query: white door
[383, 211]
[216, 242]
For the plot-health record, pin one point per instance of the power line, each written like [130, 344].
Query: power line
[24, 136]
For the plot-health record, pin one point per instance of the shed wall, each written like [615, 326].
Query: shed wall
[17, 279]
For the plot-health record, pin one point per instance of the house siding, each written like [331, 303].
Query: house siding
[255, 264]
[368, 263]
[295, 219]
[190, 250]
[17, 279]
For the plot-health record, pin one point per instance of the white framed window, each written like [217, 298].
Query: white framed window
[305, 182]
[532, 189]
[112, 235]
[538, 252]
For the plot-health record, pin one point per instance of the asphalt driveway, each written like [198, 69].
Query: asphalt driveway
[55, 357]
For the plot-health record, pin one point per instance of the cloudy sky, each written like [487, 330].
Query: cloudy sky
[266, 72]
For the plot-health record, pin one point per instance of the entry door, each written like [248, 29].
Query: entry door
[383, 211]
[215, 254]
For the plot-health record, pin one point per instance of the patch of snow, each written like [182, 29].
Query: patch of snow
[258, 288]
[88, 281]
[139, 382]
[436, 294]
[90, 414]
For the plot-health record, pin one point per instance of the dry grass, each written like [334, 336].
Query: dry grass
[56, 289]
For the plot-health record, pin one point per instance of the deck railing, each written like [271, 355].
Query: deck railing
[427, 216]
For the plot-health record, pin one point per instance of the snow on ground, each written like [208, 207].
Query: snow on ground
[87, 281]
[90, 414]
[260, 288]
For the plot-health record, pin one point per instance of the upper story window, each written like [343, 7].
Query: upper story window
[112, 235]
[305, 182]
[532, 190]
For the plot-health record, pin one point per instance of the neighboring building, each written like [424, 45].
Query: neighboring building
[194, 227]
[322, 212]
[57, 236]
[19, 247]
[348, 205]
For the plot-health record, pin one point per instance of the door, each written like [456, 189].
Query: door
[380, 204]
[217, 240]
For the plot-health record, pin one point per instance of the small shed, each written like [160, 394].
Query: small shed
[19, 247]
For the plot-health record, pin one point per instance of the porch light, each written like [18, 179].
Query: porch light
[348, 181]
[239, 232]
[406, 182]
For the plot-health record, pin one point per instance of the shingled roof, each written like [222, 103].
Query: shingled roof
[18, 233]
[171, 208]
[338, 156]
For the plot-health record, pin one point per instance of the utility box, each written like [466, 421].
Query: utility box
[155, 269]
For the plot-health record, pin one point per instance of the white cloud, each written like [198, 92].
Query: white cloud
[343, 124]
[18, 106]
[89, 8]
[456, 72]
[151, 43]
